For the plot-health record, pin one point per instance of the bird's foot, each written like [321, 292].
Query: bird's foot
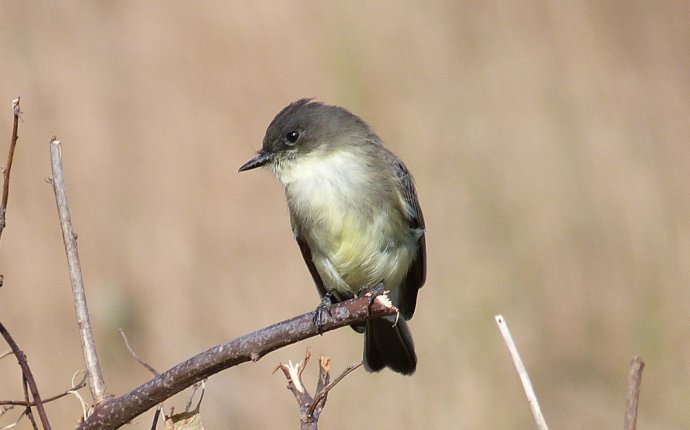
[324, 306]
[371, 292]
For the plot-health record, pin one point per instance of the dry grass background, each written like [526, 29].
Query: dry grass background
[551, 146]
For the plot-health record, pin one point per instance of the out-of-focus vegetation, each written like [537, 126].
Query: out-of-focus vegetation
[551, 146]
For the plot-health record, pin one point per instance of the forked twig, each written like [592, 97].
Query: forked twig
[311, 407]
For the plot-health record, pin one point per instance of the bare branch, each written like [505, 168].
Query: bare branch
[524, 377]
[93, 368]
[27, 376]
[113, 412]
[16, 111]
[634, 380]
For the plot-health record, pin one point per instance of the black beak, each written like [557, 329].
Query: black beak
[258, 161]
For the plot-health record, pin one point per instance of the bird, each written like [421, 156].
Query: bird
[355, 216]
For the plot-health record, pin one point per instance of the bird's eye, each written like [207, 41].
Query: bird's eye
[292, 136]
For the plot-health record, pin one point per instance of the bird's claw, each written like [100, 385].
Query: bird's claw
[371, 292]
[324, 306]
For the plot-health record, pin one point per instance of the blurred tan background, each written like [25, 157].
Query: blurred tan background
[551, 147]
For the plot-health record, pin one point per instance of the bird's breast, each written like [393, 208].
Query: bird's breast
[350, 216]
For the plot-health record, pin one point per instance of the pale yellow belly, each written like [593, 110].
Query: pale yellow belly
[351, 254]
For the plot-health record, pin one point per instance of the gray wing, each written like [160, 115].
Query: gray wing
[416, 274]
[306, 254]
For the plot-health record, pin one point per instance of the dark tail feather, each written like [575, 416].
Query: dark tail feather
[388, 344]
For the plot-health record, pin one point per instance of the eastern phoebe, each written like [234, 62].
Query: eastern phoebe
[355, 215]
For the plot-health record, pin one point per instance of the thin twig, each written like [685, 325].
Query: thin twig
[27, 376]
[135, 356]
[25, 403]
[195, 388]
[4, 409]
[16, 112]
[156, 416]
[82, 402]
[634, 380]
[96, 382]
[524, 377]
[16, 422]
[189, 419]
